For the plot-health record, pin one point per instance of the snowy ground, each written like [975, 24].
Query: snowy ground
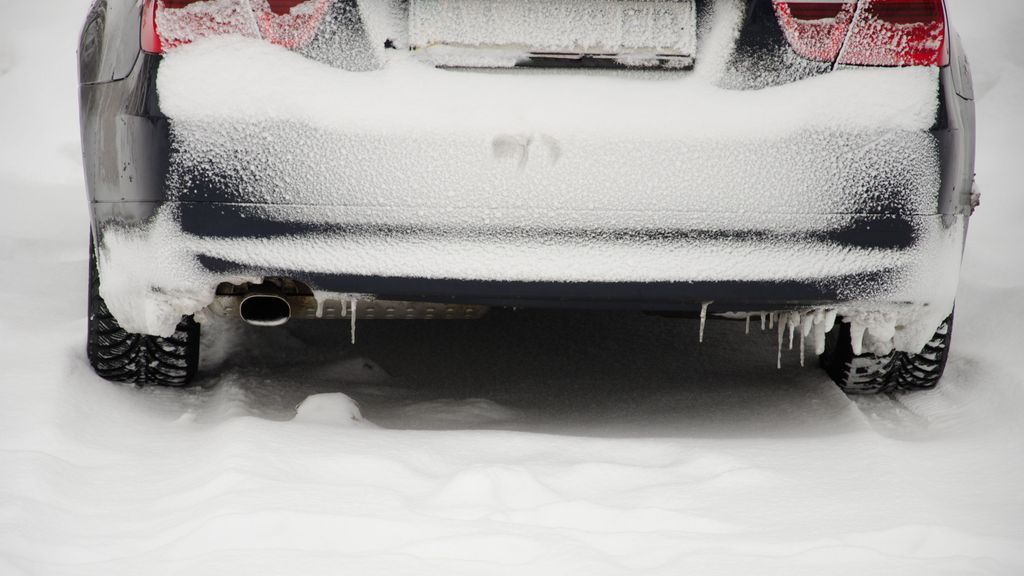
[534, 443]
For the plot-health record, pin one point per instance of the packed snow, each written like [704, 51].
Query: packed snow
[527, 443]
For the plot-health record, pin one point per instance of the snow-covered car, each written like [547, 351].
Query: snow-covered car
[808, 164]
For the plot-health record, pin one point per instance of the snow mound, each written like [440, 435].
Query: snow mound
[332, 409]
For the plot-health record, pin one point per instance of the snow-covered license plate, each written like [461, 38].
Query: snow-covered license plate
[604, 28]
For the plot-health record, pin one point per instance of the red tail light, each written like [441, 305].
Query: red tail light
[289, 23]
[816, 30]
[875, 32]
[170, 23]
[898, 33]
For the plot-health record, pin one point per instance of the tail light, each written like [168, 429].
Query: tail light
[816, 30]
[167, 24]
[866, 32]
[898, 33]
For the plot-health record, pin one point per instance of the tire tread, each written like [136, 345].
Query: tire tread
[121, 356]
[896, 371]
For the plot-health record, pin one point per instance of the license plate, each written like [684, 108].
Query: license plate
[483, 30]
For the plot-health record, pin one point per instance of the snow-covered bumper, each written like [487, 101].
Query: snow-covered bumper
[675, 268]
[623, 189]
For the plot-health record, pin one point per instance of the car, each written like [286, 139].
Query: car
[805, 164]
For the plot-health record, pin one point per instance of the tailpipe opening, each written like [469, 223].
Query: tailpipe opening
[265, 310]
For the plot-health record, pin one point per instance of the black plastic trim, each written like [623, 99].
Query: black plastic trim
[653, 296]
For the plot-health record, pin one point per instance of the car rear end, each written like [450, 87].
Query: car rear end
[662, 155]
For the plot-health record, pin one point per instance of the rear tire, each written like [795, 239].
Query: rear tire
[121, 356]
[896, 371]
[923, 371]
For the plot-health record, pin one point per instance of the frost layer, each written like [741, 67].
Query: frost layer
[275, 127]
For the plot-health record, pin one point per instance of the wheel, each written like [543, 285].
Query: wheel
[121, 356]
[871, 374]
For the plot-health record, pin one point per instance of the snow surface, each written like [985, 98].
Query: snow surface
[527, 444]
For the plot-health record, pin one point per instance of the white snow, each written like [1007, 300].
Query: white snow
[527, 444]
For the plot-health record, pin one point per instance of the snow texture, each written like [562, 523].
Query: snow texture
[526, 444]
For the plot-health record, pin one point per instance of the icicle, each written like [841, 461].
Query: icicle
[806, 326]
[802, 364]
[353, 310]
[782, 331]
[807, 323]
[762, 321]
[857, 337]
[703, 319]
[830, 320]
[824, 322]
[771, 320]
[819, 338]
[791, 325]
[748, 324]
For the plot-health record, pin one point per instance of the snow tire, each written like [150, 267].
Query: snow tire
[121, 356]
[896, 371]
[923, 371]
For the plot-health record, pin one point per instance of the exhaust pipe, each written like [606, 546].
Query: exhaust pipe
[277, 300]
[265, 310]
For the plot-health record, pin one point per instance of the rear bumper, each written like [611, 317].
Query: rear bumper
[700, 257]
[189, 248]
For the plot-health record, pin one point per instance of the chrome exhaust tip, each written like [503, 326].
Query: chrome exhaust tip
[265, 310]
